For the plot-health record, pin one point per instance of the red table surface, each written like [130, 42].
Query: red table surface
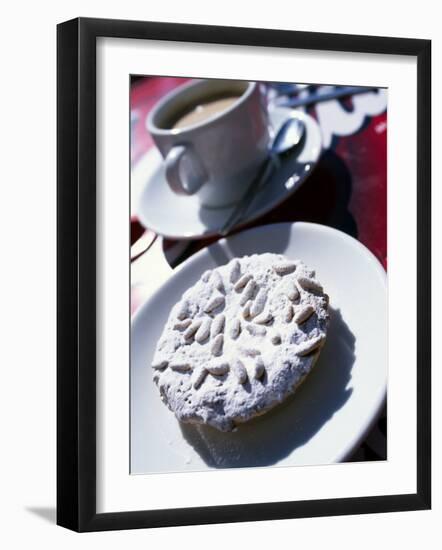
[347, 190]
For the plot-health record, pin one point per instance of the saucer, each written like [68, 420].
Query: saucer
[182, 217]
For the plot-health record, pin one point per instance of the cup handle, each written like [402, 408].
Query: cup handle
[185, 172]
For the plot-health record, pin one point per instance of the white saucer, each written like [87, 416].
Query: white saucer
[337, 404]
[181, 217]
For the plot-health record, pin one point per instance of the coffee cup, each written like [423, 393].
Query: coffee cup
[213, 136]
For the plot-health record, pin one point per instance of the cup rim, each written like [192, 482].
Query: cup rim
[154, 129]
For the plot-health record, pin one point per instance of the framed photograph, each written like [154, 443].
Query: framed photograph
[243, 274]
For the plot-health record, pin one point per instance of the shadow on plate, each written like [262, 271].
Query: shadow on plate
[275, 241]
[268, 439]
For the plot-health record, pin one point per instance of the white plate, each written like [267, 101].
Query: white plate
[182, 217]
[333, 409]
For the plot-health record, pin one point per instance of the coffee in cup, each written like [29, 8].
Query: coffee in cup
[203, 111]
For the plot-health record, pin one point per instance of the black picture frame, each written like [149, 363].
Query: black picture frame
[76, 273]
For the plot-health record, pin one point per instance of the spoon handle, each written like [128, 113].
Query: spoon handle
[262, 176]
[322, 96]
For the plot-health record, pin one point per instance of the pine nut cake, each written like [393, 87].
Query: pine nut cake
[241, 340]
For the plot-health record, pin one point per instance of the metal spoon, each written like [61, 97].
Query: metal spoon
[287, 138]
[319, 96]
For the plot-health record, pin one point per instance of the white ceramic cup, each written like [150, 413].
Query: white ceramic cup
[217, 158]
